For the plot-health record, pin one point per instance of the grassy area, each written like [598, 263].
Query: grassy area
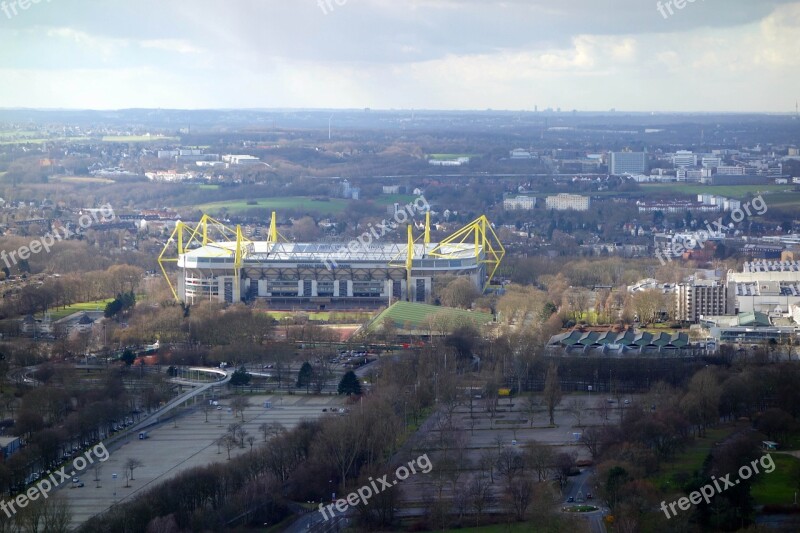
[98, 305]
[300, 203]
[686, 463]
[79, 180]
[136, 138]
[420, 317]
[207, 187]
[779, 486]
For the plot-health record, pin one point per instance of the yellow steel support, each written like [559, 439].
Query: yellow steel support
[427, 229]
[208, 232]
[273, 229]
[409, 261]
[488, 248]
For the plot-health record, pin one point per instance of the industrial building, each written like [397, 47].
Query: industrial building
[218, 263]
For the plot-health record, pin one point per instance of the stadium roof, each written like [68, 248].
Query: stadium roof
[263, 251]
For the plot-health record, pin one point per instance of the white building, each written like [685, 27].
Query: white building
[731, 171]
[240, 160]
[628, 163]
[684, 158]
[568, 202]
[522, 203]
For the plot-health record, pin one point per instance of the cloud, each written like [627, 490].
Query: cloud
[509, 54]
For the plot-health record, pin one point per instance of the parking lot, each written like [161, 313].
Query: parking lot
[169, 450]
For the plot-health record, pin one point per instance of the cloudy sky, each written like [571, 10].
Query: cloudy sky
[711, 55]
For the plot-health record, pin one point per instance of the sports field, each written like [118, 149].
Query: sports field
[299, 203]
[422, 317]
[61, 312]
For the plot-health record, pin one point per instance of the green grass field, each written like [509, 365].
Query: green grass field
[691, 458]
[58, 314]
[418, 316]
[207, 187]
[779, 486]
[299, 203]
[136, 138]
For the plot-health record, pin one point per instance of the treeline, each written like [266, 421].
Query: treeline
[63, 414]
[666, 421]
[53, 292]
[333, 454]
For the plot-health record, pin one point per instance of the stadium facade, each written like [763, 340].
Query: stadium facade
[217, 263]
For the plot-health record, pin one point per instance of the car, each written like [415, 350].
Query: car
[219, 408]
[588, 495]
[570, 499]
[627, 402]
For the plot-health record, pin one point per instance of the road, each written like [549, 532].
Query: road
[579, 487]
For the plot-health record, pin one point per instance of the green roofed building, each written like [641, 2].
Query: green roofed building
[612, 343]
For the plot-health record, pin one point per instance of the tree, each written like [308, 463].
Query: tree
[530, 406]
[577, 407]
[539, 458]
[240, 377]
[304, 376]
[552, 391]
[349, 384]
[519, 495]
[128, 357]
[132, 464]
[460, 292]
[239, 404]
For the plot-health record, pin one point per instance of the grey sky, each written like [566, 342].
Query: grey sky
[711, 55]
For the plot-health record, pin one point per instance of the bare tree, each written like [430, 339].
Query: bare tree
[519, 495]
[250, 440]
[132, 464]
[530, 406]
[539, 458]
[479, 491]
[552, 391]
[577, 408]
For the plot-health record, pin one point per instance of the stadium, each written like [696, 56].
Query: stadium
[217, 263]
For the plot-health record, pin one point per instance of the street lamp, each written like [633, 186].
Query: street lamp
[114, 477]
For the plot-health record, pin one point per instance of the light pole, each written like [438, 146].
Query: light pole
[114, 477]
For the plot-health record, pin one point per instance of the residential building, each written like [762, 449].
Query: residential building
[568, 202]
[628, 163]
[522, 203]
[699, 298]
